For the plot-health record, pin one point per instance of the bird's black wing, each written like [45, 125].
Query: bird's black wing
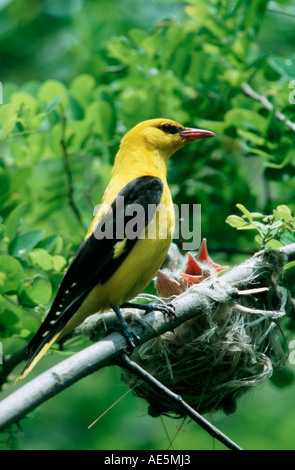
[100, 255]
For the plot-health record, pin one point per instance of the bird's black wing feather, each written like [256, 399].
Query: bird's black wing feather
[94, 261]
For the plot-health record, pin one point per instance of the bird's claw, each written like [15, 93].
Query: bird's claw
[168, 310]
[132, 341]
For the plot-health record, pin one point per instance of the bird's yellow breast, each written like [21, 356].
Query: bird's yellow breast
[145, 258]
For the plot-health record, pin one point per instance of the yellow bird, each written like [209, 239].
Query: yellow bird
[121, 253]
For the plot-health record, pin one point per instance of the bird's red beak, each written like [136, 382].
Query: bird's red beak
[190, 134]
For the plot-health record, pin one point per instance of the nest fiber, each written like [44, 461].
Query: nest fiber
[212, 359]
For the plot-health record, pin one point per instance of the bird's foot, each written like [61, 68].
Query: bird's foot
[166, 309]
[132, 339]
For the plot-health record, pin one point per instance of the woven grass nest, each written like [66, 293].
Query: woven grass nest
[214, 358]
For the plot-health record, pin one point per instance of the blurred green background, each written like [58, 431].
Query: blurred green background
[106, 65]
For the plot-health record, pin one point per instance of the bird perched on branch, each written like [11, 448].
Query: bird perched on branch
[121, 253]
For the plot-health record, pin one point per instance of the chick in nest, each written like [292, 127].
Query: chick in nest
[199, 267]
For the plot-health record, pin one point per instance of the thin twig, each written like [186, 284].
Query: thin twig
[114, 404]
[259, 290]
[166, 432]
[125, 362]
[68, 168]
[256, 311]
[176, 433]
[248, 90]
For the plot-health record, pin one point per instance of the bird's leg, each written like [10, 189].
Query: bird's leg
[132, 339]
[166, 309]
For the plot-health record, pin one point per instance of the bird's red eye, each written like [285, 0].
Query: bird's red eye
[166, 127]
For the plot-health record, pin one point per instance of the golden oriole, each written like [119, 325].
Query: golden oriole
[114, 265]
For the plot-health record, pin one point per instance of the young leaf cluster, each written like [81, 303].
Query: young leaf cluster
[276, 229]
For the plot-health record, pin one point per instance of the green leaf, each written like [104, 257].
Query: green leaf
[246, 118]
[59, 263]
[53, 103]
[277, 224]
[286, 160]
[256, 151]
[36, 121]
[248, 227]
[273, 244]
[11, 272]
[284, 208]
[235, 221]
[119, 48]
[28, 100]
[48, 243]
[58, 247]
[285, 68]
[287, 238]
[14, 220]
[261, 227]
[34, 291]
[290, 265]
[282, 212]
[258, 239]
[100, 114]
[254, 139]
[8, 119]
[82, 89]
[8, 318]
[245, 211]
[257, 215]
[76, 134]
[52, 90]
[22, 243]
[41, 258]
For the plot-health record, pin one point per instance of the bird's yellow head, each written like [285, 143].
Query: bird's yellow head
[162, 135]
[147, 147]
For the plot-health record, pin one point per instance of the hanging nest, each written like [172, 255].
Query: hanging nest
[229, 347]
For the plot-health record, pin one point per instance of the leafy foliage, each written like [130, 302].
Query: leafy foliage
[278, 227]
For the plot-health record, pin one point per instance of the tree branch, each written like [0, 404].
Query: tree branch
[248, 90]
[106, 352]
